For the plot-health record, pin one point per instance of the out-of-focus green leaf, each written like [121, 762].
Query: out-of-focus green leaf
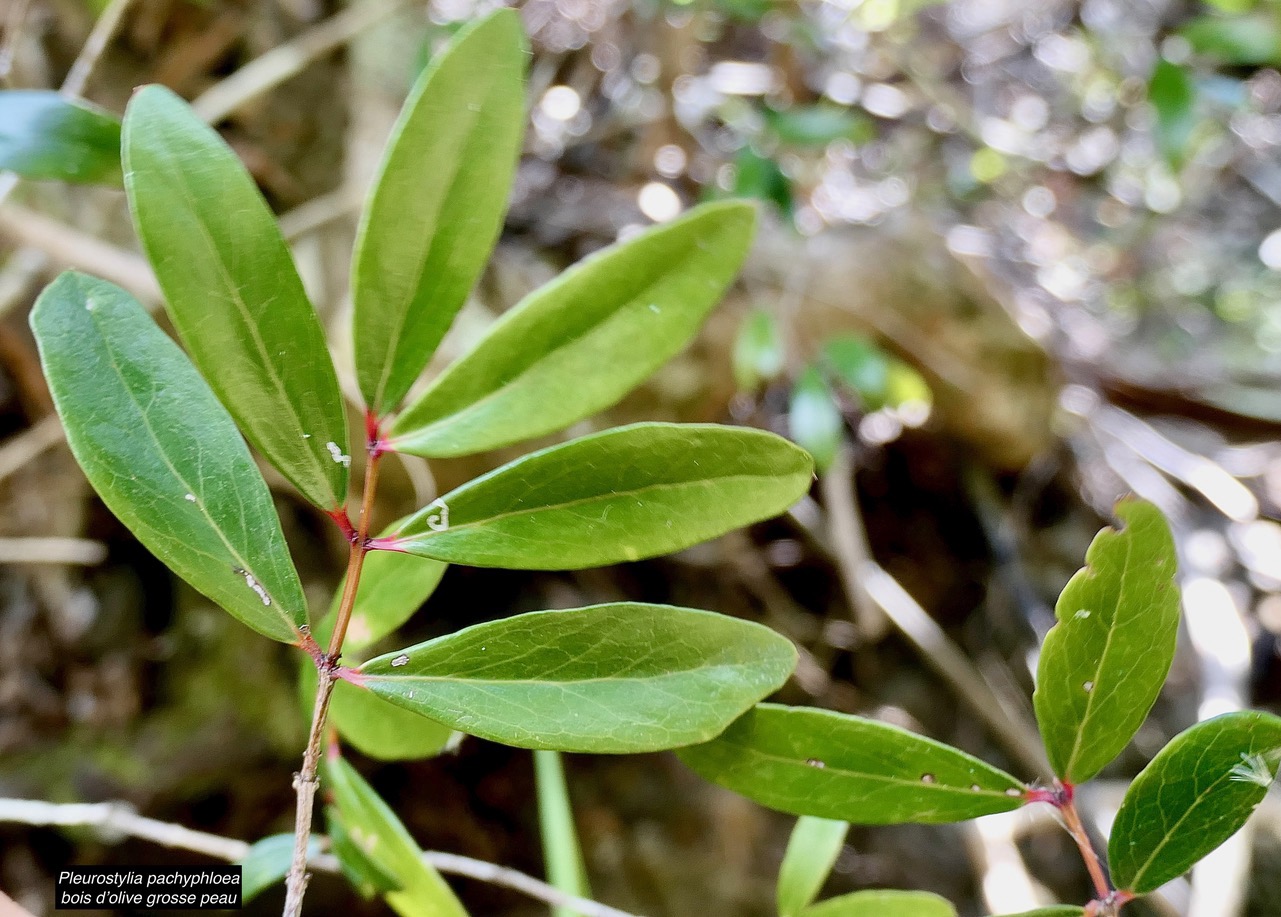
[561, 851]
[267, 862]
[1173, 96]
[814, 419]
[577, 345]
[811, 851]
[381, 837]
[1103, 664]
[392, 587]
[610, 679]
[759, 177]
[233, 293]
[816, 762]
[877, 903]
[1239, 41]
[622, 495]
[758, 350]
[365, 876]
[163, 454]
[1195, 794]
[861, 365]
[819, 125]
[437, 204]
[903, 385]
[45, 135]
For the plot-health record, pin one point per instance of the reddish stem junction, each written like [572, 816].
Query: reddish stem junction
[1062, 796]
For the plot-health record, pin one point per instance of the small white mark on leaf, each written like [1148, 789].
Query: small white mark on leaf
[89, 304]
[438, 521]
[1013, 792]
[306, 436]
[1256, 768]
[1088, 687]
[402, 659]
[190, 498]
[339, 456]
[929, 778]
[653, 307]
[815, 762]
[1082, 614]
[254, 585]
[976, 788]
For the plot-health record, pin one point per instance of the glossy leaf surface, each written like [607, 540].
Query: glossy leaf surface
[1103, 664]
[622, 495]
[877, 903]
[381, 837]
[163, 454]
[811, 851]
[578, 344]
[1195, 794]
[45, 135]
[613, 679]
[437, 204]
[831, 765]
[233, 293]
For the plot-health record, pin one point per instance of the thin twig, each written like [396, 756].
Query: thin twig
[12, 29]
[121, 819]
[849, 541]
[25, 446]
[103, 31]
[284, 61]
[52, 550]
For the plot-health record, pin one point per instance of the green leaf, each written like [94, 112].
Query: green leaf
[1058, 910]
[233, 292]
[814, 419]
[878, 903]
[561, 851]
[819, 125]
[381, 837]
[45, 135]
[759, 177]
[437, 204]
[622, 495]
[832, 765]
[371, 725]
[1103, 663]
[862, 366]
[811, 851]
[1195, 794]
[580, 343]
[1240, 41]
[758, 350]
[163, 454]
[267, 862]
[1173, 96]
[612, 679]
[365, 876]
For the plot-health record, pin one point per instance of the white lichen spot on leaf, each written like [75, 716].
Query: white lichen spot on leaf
[338, 455]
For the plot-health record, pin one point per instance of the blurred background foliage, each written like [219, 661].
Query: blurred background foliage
[1016, 260]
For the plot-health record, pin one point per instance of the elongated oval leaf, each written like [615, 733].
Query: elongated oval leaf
[1195, 794]
[233, 293]
[613, 679]
[811, 851]
[45, 135]
[163, 454]
[814, 419]
[379, 834]
[580, 343]
[1103, 663]
[621, 495]
[816, 762]
[367, 877]
[878, 903]
[437, 204]
[267, 862]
